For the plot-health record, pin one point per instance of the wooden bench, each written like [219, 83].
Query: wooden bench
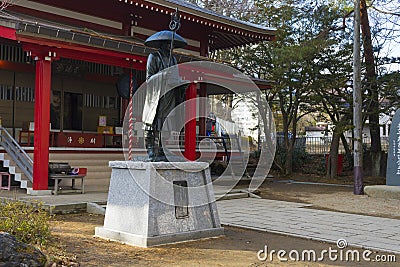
[58, 177]
[8, 186]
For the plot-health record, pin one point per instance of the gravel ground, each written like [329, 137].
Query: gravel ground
[336, 198]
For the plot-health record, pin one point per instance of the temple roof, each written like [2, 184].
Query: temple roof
[216, 16]
[146, 17]
[223, 31]
[113, 32]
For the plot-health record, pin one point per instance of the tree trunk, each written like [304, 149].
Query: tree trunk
[289, 160]
[346, 146]
[331, 170]
[376, 158]
[372, 87]
[288, 147]
[286, 140]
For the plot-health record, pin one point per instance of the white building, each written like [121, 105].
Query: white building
[242, 115]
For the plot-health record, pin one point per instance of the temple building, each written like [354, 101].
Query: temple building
[60, 62]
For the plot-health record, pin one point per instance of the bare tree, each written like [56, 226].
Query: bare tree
[239, 9]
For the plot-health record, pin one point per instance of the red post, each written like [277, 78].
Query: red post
[42, 121]
[190, 122]
[202, 109]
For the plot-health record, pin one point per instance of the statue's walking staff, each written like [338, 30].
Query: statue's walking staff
[174, 26]
[131, 122]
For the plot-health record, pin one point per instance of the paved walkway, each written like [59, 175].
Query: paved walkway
[288, 218]
[295, 219]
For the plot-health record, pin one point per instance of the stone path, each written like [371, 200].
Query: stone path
[288, 218]
[295, 219]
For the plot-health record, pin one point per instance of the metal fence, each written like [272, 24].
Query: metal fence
[321, 145]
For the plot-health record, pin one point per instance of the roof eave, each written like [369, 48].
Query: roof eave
[209, 15]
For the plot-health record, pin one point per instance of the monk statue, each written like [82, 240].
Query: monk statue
[163, 92]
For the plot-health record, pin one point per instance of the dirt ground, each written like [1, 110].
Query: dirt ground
[335, 198]
[73, 243]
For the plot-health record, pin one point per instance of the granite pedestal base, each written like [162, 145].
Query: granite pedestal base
[156, 203]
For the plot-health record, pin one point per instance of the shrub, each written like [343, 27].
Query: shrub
[299, 158]
[217, 168]
[28, 223]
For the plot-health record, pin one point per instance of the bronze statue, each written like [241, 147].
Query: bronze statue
[160, 101]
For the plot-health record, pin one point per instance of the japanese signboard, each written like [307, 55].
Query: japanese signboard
[80, 140]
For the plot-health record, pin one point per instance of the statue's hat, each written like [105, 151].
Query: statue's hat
[163, 36]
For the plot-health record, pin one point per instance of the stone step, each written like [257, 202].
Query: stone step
[86, 161]
[19, 175]
[98, 175]
[7, 163]
[231, 196]
[81, 162]
[25, 184]
[86, 156]
[383, 191]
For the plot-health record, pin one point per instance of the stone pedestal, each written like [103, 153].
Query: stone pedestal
[155, 203]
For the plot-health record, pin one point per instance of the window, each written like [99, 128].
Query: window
[5, 92]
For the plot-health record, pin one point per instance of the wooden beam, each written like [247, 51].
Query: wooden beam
[85, 53]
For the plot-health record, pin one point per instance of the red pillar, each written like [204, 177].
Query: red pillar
[190, 125]
[42, 121]
[203, 91]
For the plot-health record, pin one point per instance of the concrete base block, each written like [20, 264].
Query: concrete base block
[156, 203]
[383, 191]
[144, 241]
[94, 208]
[32, 192]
